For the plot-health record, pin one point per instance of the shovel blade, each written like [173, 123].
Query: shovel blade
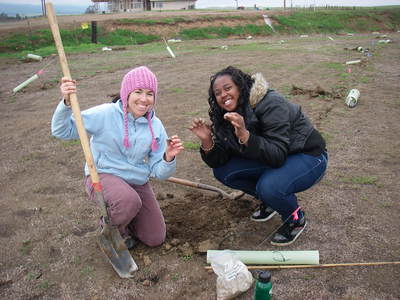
[116, 252]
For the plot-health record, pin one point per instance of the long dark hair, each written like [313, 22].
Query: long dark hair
[242, 80]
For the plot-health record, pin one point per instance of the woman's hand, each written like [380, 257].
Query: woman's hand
[67, 87]
[174, 147]
[203, 132]
[237, 122]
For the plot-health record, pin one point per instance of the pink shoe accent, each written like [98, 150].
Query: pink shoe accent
[295, 215]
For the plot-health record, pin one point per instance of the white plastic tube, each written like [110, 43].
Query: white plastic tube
[352, 98]
[268, 22]
[34, 56]
[170, 52]
[28, 81]
[353, 62]
[272, 257]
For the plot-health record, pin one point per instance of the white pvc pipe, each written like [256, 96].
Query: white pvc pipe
[28, 81]
[272, 257]
[34, 56]
[170, 52]
[25, 83]
[268, 22]
[353, 62]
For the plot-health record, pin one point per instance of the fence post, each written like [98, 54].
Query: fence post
[94, 32]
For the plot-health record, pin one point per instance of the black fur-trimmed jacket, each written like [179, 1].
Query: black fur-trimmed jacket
[277, 128]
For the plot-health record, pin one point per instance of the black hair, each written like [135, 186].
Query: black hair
[242, 80]
[115, 97]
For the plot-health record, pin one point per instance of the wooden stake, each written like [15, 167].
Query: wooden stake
[318, 266]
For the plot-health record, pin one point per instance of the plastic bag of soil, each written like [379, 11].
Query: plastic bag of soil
[233, 276]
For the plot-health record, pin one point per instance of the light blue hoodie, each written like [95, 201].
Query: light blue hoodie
[104, 123]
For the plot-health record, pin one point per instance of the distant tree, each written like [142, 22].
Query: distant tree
[3, 16]
[90, 10]
[18, 17]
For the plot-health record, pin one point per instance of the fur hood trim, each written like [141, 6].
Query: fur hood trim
[258, 90]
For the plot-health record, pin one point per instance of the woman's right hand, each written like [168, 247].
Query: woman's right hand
[201, 129]
[67, 87]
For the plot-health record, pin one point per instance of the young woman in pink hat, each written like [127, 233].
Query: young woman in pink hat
[129, 144]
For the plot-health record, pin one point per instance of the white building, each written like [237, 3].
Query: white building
[143, 5]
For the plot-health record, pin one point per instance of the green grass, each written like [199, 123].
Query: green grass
[369, 180]
[186, 257]
[327, 136]
[69, 143]
[72, 39]
[175, 277]
[33, 275]
[276, 66]
[365, 79]
[332, 65]
[191, 145]
[344, 76]
[177, 90]
[213, 32]
[30, 157]
[127, 37]
[26, 247]
[44, 285]
[285, 90]
[193, 113]
[326, 21]
[87, 271]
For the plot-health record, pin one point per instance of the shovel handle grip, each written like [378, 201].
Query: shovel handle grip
[73, 97]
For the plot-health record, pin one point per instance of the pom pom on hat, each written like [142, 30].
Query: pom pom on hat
[138, 78]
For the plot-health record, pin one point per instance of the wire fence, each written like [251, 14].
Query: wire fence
[327, 7]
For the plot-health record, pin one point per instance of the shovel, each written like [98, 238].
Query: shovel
[110, 240]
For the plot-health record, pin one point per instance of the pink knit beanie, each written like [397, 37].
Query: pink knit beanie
[138, 78]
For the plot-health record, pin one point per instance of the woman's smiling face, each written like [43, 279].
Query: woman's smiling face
[140, 101]
[226, 92]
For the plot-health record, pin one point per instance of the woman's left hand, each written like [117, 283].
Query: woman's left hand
[237, 122]
[174, 147]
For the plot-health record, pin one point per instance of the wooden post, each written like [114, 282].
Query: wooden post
[31, 34]
[44, 8]
[94, 32]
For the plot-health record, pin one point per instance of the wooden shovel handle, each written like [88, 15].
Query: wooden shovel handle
[73, 98]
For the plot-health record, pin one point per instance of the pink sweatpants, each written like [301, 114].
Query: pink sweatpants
[133, 208]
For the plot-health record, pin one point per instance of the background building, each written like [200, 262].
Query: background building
[143, 5]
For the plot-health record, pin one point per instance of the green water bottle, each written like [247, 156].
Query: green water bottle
[263, 289]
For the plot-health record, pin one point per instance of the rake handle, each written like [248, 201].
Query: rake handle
[73, 97]
[199, 186]
[320, 265]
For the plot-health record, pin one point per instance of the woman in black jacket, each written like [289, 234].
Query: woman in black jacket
[262, 144]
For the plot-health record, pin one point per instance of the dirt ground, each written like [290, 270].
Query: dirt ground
[48, 229]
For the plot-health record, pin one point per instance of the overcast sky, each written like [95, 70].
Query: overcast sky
[221, 3]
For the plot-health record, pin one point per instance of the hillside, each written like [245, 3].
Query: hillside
[114, 29]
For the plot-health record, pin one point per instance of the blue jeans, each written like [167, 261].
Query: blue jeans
[275, 187]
